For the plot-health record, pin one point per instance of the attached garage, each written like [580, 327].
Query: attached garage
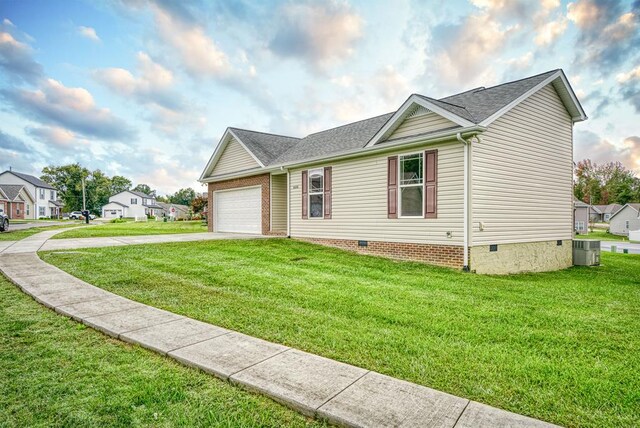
[238, 210]
[114, 210]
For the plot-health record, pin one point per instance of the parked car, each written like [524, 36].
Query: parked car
[4, 222]
[75, 215]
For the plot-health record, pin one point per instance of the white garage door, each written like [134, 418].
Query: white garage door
[238, 211]
[112, 213]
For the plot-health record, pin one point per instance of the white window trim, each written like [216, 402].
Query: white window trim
[400, 186]
[580, 225]
[309, 193]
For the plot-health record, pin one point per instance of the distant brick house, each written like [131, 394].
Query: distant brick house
[15, 201]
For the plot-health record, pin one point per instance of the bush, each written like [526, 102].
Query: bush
[118, 220]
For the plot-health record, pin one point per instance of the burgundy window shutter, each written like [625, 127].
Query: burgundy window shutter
[327, 192]
[305, 194]
[431, 184]
[392, 187]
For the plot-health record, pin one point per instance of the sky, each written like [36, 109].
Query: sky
[146, 88]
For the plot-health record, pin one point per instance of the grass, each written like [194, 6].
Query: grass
[17, 235]
[562, 346]
[602, 235]
[56, 372]
[135, 229]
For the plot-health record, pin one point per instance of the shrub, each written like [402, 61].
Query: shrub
[118, 220]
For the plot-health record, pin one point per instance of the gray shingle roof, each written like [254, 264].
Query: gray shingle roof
[31, 179]
[11, 190]
[482, 103]
[266, 147]
[474, 105]
[336, 140]
[142, 195]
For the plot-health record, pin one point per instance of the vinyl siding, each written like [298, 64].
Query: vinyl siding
[279, 203]
[421, 124]
[234, 158]
[360, 202]
[522, 174]
[618, 224]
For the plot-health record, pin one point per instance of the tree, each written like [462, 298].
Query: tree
[144, 188]
[119, 184]
[98, 186]
[198, 204]
[183, 196]
[606, 183]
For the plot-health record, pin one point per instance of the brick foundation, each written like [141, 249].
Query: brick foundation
[256, 180]
[441, 255]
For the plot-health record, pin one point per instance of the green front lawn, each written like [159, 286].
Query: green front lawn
[131, 228]
[602, 235]
[56, 372]
[563, 346]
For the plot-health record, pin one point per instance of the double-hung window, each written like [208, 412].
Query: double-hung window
[134, 201]
[316, 193]
[41, 193]
[411, 182]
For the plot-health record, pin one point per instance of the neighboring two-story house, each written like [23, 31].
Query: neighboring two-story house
[43, 196]
[132, 204]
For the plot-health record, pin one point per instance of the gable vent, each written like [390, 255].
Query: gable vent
[419, 111]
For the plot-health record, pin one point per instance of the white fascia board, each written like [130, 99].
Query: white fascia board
[246, 148]
[409, 103]
[550, 79]
[226, 137]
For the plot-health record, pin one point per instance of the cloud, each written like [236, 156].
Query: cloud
[321, 34]
[549, 32]
[630, 87]
[391, 85]
[464, 55]
[590, 145]
[16, 57]
[89, 33]
[70, 108]
[56, 136]
[199, 54]
[608, 35]
[153, 84]
[9, 142]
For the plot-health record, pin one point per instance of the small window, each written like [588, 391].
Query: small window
[53, 195]
[411, 185]
[626, 224]
[579, 225]
[41, 211]
[41, 193]
[316, 193]
[134, 201]
[28, 209]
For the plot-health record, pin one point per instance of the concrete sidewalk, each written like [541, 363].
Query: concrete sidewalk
[314, 385]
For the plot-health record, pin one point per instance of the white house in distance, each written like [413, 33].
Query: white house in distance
[479, 180]
[174, 211]
[625, 220]
[130, 203]
[43, 194]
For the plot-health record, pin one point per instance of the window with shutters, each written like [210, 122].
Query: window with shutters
[411, 181]
[316, 193]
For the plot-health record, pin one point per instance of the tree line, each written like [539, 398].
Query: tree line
[67, 179]
[607, 183]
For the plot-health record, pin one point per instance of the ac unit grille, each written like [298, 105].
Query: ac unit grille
[586, 244]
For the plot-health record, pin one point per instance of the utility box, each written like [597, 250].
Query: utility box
[586, 253]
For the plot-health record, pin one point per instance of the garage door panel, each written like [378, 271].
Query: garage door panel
[239, 211]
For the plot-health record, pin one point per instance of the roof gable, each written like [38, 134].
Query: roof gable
[31, 179]
[12, 191]
[633, 206]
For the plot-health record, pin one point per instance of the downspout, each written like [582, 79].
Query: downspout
[465, 144]
[288, 203]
